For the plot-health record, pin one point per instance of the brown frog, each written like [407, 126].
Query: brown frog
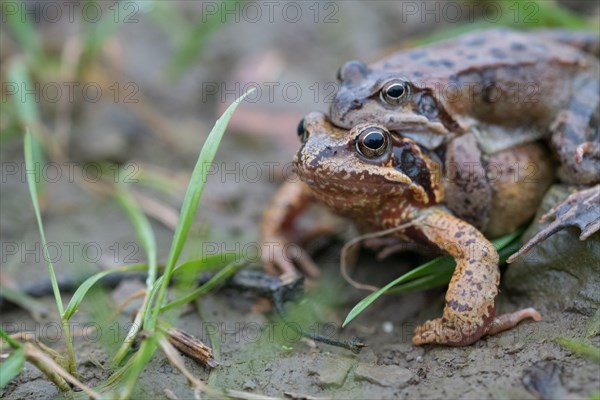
[503, 86]
[442, 198]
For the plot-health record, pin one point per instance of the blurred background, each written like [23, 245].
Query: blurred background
[139, 84]
[129, 91]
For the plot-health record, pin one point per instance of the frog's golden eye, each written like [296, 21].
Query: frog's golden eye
[394, 91]
[302, 132]
[372, 142]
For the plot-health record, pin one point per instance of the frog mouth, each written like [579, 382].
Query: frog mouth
[417, 124]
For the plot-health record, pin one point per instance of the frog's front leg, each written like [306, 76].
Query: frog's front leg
[470, 308]
[279, 253]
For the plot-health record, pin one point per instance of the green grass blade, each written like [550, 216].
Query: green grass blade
[195, 38]
[12, 342]
[503, 241]
[97, 32]
[520, 14]
[32, 177]
[12, 366]
[194, 267]
[140, 360]
[186, 216]
[115, 378]
[145, 235]
[35, 307]
[367, 301]
[28, 116]
[580, 347]
[207, 263]
[91, 281]
[191, 200]
[23, 30]
[436, 272]
[25, 106]
[142, 228]
[440, 278]
[219, 277]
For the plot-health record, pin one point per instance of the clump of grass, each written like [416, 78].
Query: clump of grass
[154, 302]
[158, 290]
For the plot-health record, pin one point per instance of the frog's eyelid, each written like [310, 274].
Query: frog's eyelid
[380, 83]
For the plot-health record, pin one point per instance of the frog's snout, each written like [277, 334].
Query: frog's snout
[342, 107]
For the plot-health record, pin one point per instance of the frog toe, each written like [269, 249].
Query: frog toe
[587, 149]
[508, 321]
[286, 259]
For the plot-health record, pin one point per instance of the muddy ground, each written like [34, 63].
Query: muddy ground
[161, 134]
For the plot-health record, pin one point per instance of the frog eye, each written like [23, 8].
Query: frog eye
[372, 142]
[302, 132]
[394, 91]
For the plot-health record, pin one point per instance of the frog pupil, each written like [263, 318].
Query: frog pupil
[374, 140]
[395, 91]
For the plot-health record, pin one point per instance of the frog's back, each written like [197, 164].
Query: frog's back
[490, 49]
[496, 73]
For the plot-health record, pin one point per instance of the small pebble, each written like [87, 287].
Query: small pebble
[249, 385]
[388, 327]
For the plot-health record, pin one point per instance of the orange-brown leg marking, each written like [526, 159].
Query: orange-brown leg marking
[470, 300]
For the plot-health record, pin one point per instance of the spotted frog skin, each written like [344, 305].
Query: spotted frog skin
[506, 87]
[383, 180]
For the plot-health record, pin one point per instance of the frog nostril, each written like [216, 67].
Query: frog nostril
[329, 151]
[356, 104]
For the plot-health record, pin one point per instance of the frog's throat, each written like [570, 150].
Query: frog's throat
[418, 123]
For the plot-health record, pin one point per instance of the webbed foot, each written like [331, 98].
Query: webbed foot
[581, 209]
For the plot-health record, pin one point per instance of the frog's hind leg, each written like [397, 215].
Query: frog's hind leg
[581, 209]
[576, 134]
[576, 139]
[470, 309]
